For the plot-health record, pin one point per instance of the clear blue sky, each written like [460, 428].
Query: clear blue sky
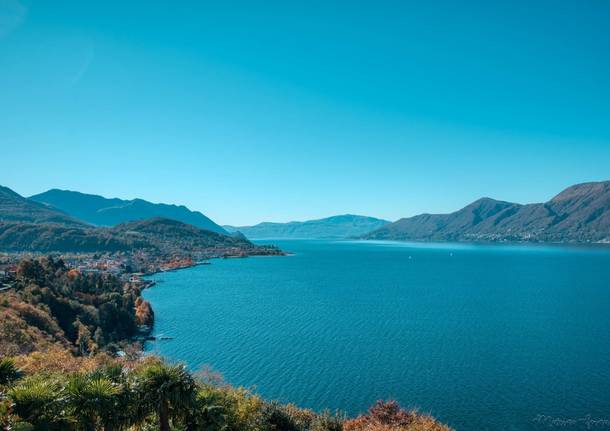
[282, 110]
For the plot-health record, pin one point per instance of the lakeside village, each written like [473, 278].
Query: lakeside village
[129, 267]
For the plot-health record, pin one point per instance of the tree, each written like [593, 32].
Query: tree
[9, 372]
[83, 340]
[98, 337]
[38, 400]
[206, 413]
[93, 400]
[275, 418]
[167, 390]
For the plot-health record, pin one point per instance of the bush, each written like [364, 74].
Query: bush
[389, 416]
[275, 417]
[327, 422]
[38, 401]
[65, 392]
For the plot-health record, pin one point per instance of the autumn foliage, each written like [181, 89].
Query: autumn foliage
[389, 416]
[144, 312]
[51, 304]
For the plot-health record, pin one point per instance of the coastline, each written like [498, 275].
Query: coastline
[146, 330]
[602, 246]
[280, 309]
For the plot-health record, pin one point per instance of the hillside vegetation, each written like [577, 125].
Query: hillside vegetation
[50, 304]
[54, 391]
[157, 235]
[165, 234]
[44, 238]
[29, 226]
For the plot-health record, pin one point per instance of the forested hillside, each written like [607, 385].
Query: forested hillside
[50, 304]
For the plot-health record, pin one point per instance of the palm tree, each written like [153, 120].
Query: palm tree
[94, 400]
[9, 372]
[168, 390]
[38, 401]
[206, 413]
[126, 399]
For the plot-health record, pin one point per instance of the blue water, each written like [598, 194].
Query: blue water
[482, 337]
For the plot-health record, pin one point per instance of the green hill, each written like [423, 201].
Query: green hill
[31, 226]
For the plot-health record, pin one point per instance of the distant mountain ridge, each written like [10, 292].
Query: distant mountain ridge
[16, 208]
[29, 226]
[101, 211]
[580, 213]
[336, 227]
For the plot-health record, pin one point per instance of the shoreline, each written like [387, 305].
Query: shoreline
[145, 335]
[572, 245]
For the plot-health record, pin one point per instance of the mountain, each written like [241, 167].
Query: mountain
[48, 237]
[101, 211]
[337, 227]
[16, 208]
[159, 236]
[175, 237]
[580, 213]
[26, 225]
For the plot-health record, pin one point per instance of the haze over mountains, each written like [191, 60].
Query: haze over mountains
[101, 211]
[580, 213]
[64, 221]
[336, 227]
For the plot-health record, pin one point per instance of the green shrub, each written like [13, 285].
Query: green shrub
[39, 401]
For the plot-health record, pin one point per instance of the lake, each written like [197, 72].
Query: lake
[483, 337]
